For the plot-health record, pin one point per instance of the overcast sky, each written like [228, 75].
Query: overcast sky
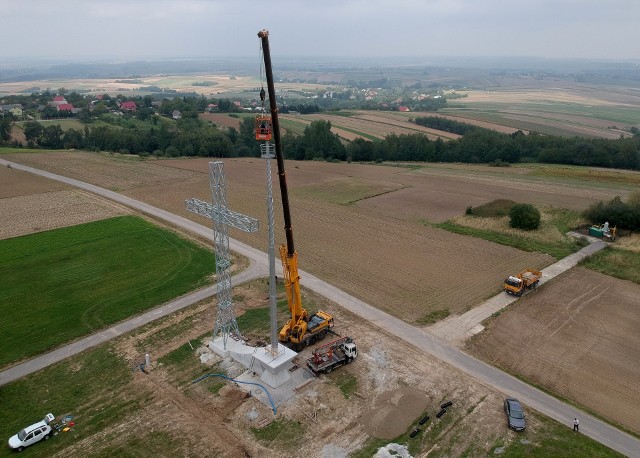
[148, 29]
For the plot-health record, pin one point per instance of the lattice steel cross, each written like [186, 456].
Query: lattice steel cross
[222, 217]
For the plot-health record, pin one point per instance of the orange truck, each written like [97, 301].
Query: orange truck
[519, 283]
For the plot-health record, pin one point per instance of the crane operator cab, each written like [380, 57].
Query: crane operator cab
[263, 128]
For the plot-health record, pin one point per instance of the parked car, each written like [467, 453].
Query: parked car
[32, 434]
[515, 415]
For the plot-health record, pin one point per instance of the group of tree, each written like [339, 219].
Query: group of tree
[186, 137]
[486, 146]
[624, 215]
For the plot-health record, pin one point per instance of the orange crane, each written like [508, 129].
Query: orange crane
[301, 329]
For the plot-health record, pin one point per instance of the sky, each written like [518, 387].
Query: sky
[157, 29]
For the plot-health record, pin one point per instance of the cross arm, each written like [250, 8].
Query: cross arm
[222, 215]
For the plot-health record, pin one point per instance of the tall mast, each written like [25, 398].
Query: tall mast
[264, 36]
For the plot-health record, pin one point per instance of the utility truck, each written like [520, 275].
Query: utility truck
[332, 355]
[519, 283]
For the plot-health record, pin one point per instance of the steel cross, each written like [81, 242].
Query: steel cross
[222, 218]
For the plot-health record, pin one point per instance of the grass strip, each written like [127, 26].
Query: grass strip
[558, 250]
[615, 262]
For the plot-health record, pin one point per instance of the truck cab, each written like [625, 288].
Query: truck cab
[350, 350]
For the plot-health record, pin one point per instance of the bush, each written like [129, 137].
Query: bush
[524, 216]
[616, 212]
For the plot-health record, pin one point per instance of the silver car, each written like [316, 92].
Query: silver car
[515, 415]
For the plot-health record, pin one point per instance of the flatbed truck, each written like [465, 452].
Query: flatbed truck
[332, 355]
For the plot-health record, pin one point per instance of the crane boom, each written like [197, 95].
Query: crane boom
[264, 36]
[301, 329]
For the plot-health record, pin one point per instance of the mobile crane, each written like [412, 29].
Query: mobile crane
[301, 329]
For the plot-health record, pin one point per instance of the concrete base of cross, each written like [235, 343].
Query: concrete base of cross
[272, 367]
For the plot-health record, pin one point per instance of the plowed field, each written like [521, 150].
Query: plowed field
[577, 336]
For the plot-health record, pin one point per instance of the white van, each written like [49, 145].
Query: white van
[32, 434]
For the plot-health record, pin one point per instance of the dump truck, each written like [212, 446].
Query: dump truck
[332, 355]
[519, 283]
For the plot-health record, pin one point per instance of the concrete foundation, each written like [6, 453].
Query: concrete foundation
[273, 369]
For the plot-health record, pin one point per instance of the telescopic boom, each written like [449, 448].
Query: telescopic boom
[264, 36]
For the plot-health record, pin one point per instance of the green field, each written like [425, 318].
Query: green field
[616, 262]
[63, 284]
[89, 387]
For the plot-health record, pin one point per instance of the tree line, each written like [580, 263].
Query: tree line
[190, 136]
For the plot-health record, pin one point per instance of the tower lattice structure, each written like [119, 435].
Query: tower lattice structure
[223, 218]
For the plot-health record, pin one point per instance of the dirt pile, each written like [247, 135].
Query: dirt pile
[394, 411]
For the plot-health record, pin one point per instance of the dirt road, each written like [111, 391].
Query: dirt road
[542, 402]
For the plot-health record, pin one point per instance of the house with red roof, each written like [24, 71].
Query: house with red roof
[65, 107]
[128, 106]
[403, 108]
[58, 100]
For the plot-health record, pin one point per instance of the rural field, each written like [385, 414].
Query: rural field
[553, 108]
[577, 337]
[368, 229]
[396, 259]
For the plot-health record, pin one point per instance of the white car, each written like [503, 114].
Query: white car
[32, 434]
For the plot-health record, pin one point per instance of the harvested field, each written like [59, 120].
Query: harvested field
[30, 203]
[577, 337]
[373, 126]
[221, 119]
[475, 122]
[583, 110]
[375, 248]
[14, 183]
[42, 212]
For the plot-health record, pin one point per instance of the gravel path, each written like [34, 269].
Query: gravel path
[429, 343]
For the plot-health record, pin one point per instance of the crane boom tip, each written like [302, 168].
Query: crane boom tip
[263, 33]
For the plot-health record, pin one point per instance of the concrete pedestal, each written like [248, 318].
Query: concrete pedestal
[272, 368]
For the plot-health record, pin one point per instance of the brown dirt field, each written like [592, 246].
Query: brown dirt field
[42, 212]
[337, 240]
[374, 249]
[576, 336]
[30, 203]
[586, 96]
[18, 183]
[342, 133]
[221, 119]
[390, 119]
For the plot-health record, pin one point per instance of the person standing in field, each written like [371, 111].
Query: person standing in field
[576, 424]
